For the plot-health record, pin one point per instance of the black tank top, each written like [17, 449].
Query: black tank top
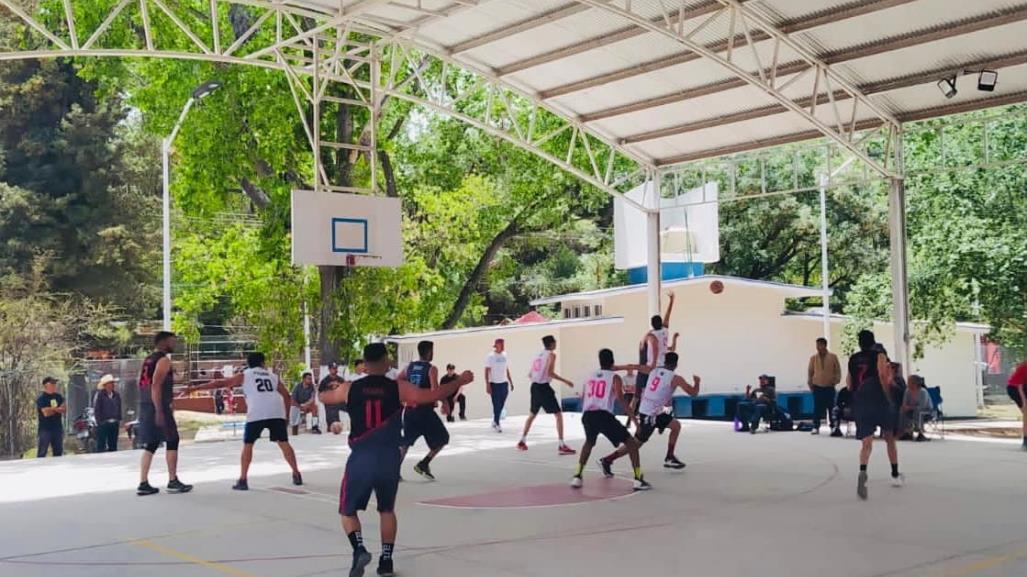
[419, 374]
[374, 411]
[146, 381]
[866, 380]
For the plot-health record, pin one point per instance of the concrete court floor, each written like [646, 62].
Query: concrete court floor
[774, 504]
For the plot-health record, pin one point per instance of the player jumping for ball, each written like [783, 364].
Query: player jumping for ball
[267, 400]
[597, 402]
[654, 397]
[543, 396]
[375, 405]
[422, 420]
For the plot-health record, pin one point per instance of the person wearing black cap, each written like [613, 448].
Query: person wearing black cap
[871, 379]
[332, 412]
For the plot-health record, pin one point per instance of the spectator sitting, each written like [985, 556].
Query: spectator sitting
[304, 403]
[916, 404]
[456, 398]
[107, 411]
[842, 411]
[757, 404]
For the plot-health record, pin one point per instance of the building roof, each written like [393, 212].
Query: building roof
[837, 318]
[787, 290]
[508, 328]
[675, 81]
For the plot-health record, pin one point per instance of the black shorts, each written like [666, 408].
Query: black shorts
[424, 422]
[649, 424]
[543, 397]
[604, 423]
[370, 470]
[148, 432]
[871, 416]
[278, 432]
[1014, 393]
[332, 413]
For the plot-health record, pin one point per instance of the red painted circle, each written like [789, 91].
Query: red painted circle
[540, 495]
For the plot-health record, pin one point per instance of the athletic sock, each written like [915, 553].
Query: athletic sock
[894, 469]
[580, 470]
[387, 551]
[638, 472]
[862, 468]
[356, 539]
[670, 451]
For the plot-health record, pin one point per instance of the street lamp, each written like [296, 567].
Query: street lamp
[199, 93]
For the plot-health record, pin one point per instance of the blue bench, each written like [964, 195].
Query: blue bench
[720, 406]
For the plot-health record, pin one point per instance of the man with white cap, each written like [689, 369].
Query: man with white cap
[107, 411]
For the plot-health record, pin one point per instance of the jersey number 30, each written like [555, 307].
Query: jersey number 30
[265, 386]
[597, 388]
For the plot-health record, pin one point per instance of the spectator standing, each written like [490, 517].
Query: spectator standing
[107, 412]
[455, 398]
[219, 399]
[1017, 389]
[303, 403]
[333, 416]
[824, 374]
[50, 408]
[498, 382]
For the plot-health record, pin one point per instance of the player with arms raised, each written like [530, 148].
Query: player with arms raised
[375, 405]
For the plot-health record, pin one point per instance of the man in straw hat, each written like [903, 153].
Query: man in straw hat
[107, 411]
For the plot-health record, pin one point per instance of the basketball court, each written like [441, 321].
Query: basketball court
[770, 504]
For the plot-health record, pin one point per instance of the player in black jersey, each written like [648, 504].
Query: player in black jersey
[156, 416]
[422, 420]
[870, 379]
[375, 405]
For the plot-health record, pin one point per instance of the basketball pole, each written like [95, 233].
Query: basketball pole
[653, 272]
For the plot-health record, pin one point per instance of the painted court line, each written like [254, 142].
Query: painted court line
[193, 560]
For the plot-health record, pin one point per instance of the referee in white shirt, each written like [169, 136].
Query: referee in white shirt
[498, 383]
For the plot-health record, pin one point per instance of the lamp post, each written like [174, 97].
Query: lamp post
[199, 93]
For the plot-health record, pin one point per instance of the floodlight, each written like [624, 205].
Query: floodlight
[948, 86]
[206, 89]
[987, 80]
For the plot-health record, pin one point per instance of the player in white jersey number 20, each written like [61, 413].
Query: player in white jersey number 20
[267, 401]
[601, 391]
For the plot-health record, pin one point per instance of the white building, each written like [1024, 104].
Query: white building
[727, 339]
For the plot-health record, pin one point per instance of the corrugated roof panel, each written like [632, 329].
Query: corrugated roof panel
[477, 20]
[714, 138]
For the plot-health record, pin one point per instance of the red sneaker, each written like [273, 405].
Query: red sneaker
[521, 445]
[565, 450]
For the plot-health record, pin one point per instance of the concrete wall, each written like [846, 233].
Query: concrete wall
[727, 339]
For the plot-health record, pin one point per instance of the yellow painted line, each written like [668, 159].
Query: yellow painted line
[219, 567]
[985, 564]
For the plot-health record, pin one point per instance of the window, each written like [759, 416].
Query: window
[566, 313]
[598, 310]
[586, 311]
[577, 312]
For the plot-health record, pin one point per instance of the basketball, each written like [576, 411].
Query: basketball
[716, 287]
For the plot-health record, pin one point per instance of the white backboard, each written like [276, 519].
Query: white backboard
[689, 227]
[330, 228]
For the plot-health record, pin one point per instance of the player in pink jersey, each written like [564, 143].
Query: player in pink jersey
[601, 391]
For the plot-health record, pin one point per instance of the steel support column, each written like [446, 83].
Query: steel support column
[900, 288]
[652, 232]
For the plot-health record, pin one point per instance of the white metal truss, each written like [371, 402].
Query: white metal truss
[743, 59]
[316, 50]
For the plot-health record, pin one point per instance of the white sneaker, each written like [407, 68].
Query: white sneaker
[898, 481]
[576, 482]
[640, 485]
[815, 431]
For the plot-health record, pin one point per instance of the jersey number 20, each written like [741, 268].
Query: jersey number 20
[265, 386]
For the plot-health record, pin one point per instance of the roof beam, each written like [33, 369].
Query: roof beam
[708, 7]
[930, 76]
[867, 124]
[906, 40]
[747, 21]
[808, 22]
[518, 27]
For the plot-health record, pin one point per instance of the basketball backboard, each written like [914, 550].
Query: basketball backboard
[333, 229]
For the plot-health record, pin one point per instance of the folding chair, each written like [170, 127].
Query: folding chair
[936, 422]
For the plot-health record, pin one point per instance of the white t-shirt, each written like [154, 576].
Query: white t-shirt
[598, 392]
[496, 364]
[658, 392]
[262, 399]
[539, 372]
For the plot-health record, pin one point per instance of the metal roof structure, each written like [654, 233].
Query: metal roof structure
[788, 290]
[594, 85]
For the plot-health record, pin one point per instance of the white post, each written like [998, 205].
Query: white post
[306, 335]
[166, 229]
[652, 231]
[824, 269]
[900, 288]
